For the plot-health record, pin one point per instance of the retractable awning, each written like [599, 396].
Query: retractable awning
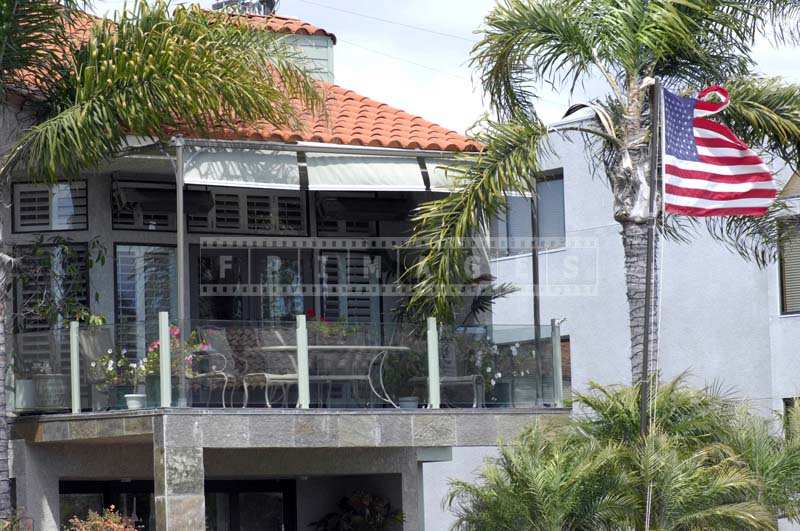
[331, 171]
[244, 168]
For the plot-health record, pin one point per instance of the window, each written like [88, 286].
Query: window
[350, 287]
[550, 218]
[39, 207]
[248, 284]
[516, 223]
[790, 266]
[52, 284]
[145, 285]
[253, 212]
[143, 206]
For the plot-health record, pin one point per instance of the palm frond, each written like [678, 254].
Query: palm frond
[151, 72]
[445, 229]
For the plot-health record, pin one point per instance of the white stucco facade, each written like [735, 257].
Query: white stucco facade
[720, 315]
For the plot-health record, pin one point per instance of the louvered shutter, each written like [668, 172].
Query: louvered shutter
[790, 268]
[227, 214]
[259, 213]
[38, 207]
[131, 216]
[291, 217]
[344, 276]
[40, 340]
[145, 286]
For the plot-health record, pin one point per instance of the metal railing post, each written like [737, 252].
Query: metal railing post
[434, 383]
[303, 386]
[164, 359]
[558, 382]
[74, 367]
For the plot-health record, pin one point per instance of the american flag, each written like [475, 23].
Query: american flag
[707, 170]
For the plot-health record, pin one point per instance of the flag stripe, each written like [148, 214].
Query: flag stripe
[716, 186]
[688, 173]
[719, 143]
[752, 160]
[720, 196]
[699, 202]
[718, 211]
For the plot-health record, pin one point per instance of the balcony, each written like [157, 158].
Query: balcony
[305, 364]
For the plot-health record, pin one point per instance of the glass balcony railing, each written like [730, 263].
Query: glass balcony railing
[295, 364]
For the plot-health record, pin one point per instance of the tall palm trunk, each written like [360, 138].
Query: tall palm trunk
[634, 242]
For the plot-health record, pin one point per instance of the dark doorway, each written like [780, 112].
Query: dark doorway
[231, 505]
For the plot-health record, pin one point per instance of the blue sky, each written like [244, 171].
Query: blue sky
[422, 72]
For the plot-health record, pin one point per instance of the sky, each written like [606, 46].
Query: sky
[427, 73]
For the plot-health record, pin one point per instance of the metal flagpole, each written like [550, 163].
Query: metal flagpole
[655, 120]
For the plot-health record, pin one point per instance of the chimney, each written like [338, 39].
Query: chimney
[252, 7]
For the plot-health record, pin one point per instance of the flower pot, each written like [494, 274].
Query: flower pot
[100, 398]
[24, 395]
[118, 396]
[51, 391]
[135, 401]
[408, 402]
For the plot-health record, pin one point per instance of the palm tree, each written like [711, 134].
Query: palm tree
[697, 465]
[687, 44]
[88, 83]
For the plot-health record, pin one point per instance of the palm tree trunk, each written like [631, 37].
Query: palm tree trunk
[634, 241]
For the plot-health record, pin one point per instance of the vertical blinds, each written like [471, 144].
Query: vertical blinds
[790, 267]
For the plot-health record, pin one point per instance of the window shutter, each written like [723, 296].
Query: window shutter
[227, 211]
[790, 269]
[131, 216]
[290, 214]
[39, 207]
[349, 272]
[259, 213]
[145, 286]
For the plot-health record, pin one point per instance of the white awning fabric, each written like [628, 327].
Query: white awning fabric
[329, 171]
[244, 168]
[440, 176]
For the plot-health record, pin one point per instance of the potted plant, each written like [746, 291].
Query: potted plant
[24, 388]
[120, 376]
[183, 357]
[402, 376]
[360, 511]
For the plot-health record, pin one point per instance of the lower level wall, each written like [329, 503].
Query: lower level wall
[436, 478]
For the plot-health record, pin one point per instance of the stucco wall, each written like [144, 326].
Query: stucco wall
[720, 314]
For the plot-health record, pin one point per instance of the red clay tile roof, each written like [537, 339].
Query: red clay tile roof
[280, 24]
[353, 119]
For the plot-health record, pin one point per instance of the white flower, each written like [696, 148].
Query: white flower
[488, 369]
[110, 365]
[498, 375]
[110, 351]
[93, 364]
[124, 351]
[493, 382]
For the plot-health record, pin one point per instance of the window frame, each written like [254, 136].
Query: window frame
[781, 271]
[15, 225]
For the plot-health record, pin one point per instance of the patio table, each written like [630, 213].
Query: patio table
[380, 354]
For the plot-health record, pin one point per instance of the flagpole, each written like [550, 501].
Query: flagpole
[655, 121]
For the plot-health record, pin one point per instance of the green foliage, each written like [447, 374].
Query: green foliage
[447, 228]
[689, 44]
[708, 463]
[360, 511]
[151, 72]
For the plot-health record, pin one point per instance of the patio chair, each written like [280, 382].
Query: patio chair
[272, 367]
[216, 364]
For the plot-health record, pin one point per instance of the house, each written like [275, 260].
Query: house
[237, 362]
[723, 319]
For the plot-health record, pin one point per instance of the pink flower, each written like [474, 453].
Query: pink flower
[155, 345]
[205, 346]
[174, 331]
